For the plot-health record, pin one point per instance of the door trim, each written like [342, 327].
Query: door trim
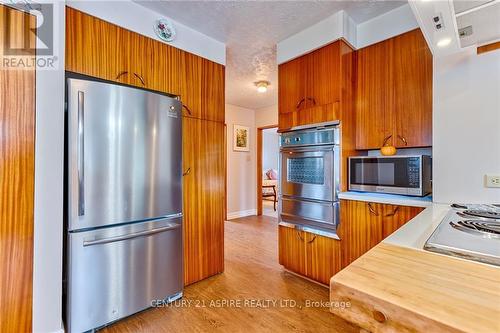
[259, 165]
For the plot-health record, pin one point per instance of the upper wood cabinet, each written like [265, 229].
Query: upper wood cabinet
[394, 93]
[365, 224]
[374, 95]
[412, 61]
[97, 48]
[310, 86]
[203, 202]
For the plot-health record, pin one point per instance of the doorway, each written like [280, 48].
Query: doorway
[267, 170]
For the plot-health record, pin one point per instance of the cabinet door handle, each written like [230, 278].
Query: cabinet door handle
[386, 139]
[312, 240]
[187, 172]
[402, 138]
[393, 212]
[312, 100]
[121, 74]
[299, 236]
[187, 109]
[81, 153]
[373, 211]
[300, 103]
[140, 78]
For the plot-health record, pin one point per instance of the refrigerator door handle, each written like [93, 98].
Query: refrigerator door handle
[81, 154]
[130, 236]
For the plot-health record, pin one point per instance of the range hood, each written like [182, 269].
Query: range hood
[477, 21]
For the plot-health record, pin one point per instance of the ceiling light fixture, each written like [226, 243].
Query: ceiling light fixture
[262, 86]
[443, 42]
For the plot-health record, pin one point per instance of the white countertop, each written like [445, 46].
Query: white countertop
[415, 233]
[384, 198]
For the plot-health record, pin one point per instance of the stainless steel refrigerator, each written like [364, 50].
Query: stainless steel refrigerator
[124, 209]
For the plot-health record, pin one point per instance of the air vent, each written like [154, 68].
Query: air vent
[464, 32]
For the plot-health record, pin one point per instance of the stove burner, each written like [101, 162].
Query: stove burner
[487, 214]
[483, 228]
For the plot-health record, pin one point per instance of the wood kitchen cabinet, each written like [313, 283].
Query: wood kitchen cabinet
[313, 256]
[365, 224]
[394, 93]
[203, 201]
[310, 87]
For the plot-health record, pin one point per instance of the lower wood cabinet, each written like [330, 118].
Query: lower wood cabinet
[365, 224]
[203, 201]
[316, 257]
[362, 226]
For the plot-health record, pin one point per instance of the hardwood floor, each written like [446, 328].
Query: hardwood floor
[252, 273]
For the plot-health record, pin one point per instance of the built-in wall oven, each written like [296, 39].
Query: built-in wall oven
[309, 177]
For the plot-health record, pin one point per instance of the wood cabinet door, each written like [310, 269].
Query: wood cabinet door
[323, 258]
[212, 93]
[95, 47]
[292, 250]
[191, 79]
[373, 96]
[17, 173]
[291, 85]
[203, 202]
[412, 62]
[397, 216]
[323, 77]
[360, 228]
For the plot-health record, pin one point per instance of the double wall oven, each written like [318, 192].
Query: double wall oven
[309, 178]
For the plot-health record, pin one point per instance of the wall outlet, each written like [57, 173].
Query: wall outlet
[492, 180]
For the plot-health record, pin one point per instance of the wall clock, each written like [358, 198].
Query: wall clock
[165, 30]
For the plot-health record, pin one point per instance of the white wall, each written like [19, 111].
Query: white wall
[270, 149]
[267, 116]
[339, 25]
[466, 126]
[385, 26]
[140, 19]
[48, 228]
[241, 166]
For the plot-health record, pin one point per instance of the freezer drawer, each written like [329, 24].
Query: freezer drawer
[118, 271]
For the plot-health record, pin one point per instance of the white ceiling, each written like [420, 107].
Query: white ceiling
[251, 29]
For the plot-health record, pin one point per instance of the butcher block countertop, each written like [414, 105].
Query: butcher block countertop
[400, 289]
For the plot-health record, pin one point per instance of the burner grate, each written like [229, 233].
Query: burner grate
[487, 214]
[484, 228]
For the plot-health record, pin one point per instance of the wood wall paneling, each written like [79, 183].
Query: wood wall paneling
[17, 167]
[204, 184]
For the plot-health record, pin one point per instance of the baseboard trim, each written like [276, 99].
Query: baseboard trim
[241, 213]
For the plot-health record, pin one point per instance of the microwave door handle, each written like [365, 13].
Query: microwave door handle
[81, 153]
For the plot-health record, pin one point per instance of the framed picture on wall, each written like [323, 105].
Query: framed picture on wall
[241, 138]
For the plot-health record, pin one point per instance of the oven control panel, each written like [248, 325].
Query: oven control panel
[311, 137]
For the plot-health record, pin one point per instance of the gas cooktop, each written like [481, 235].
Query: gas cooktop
[470, 232]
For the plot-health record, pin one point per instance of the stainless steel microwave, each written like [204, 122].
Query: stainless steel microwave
[406, 175]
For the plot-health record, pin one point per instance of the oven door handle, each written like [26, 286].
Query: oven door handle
[309, 149]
